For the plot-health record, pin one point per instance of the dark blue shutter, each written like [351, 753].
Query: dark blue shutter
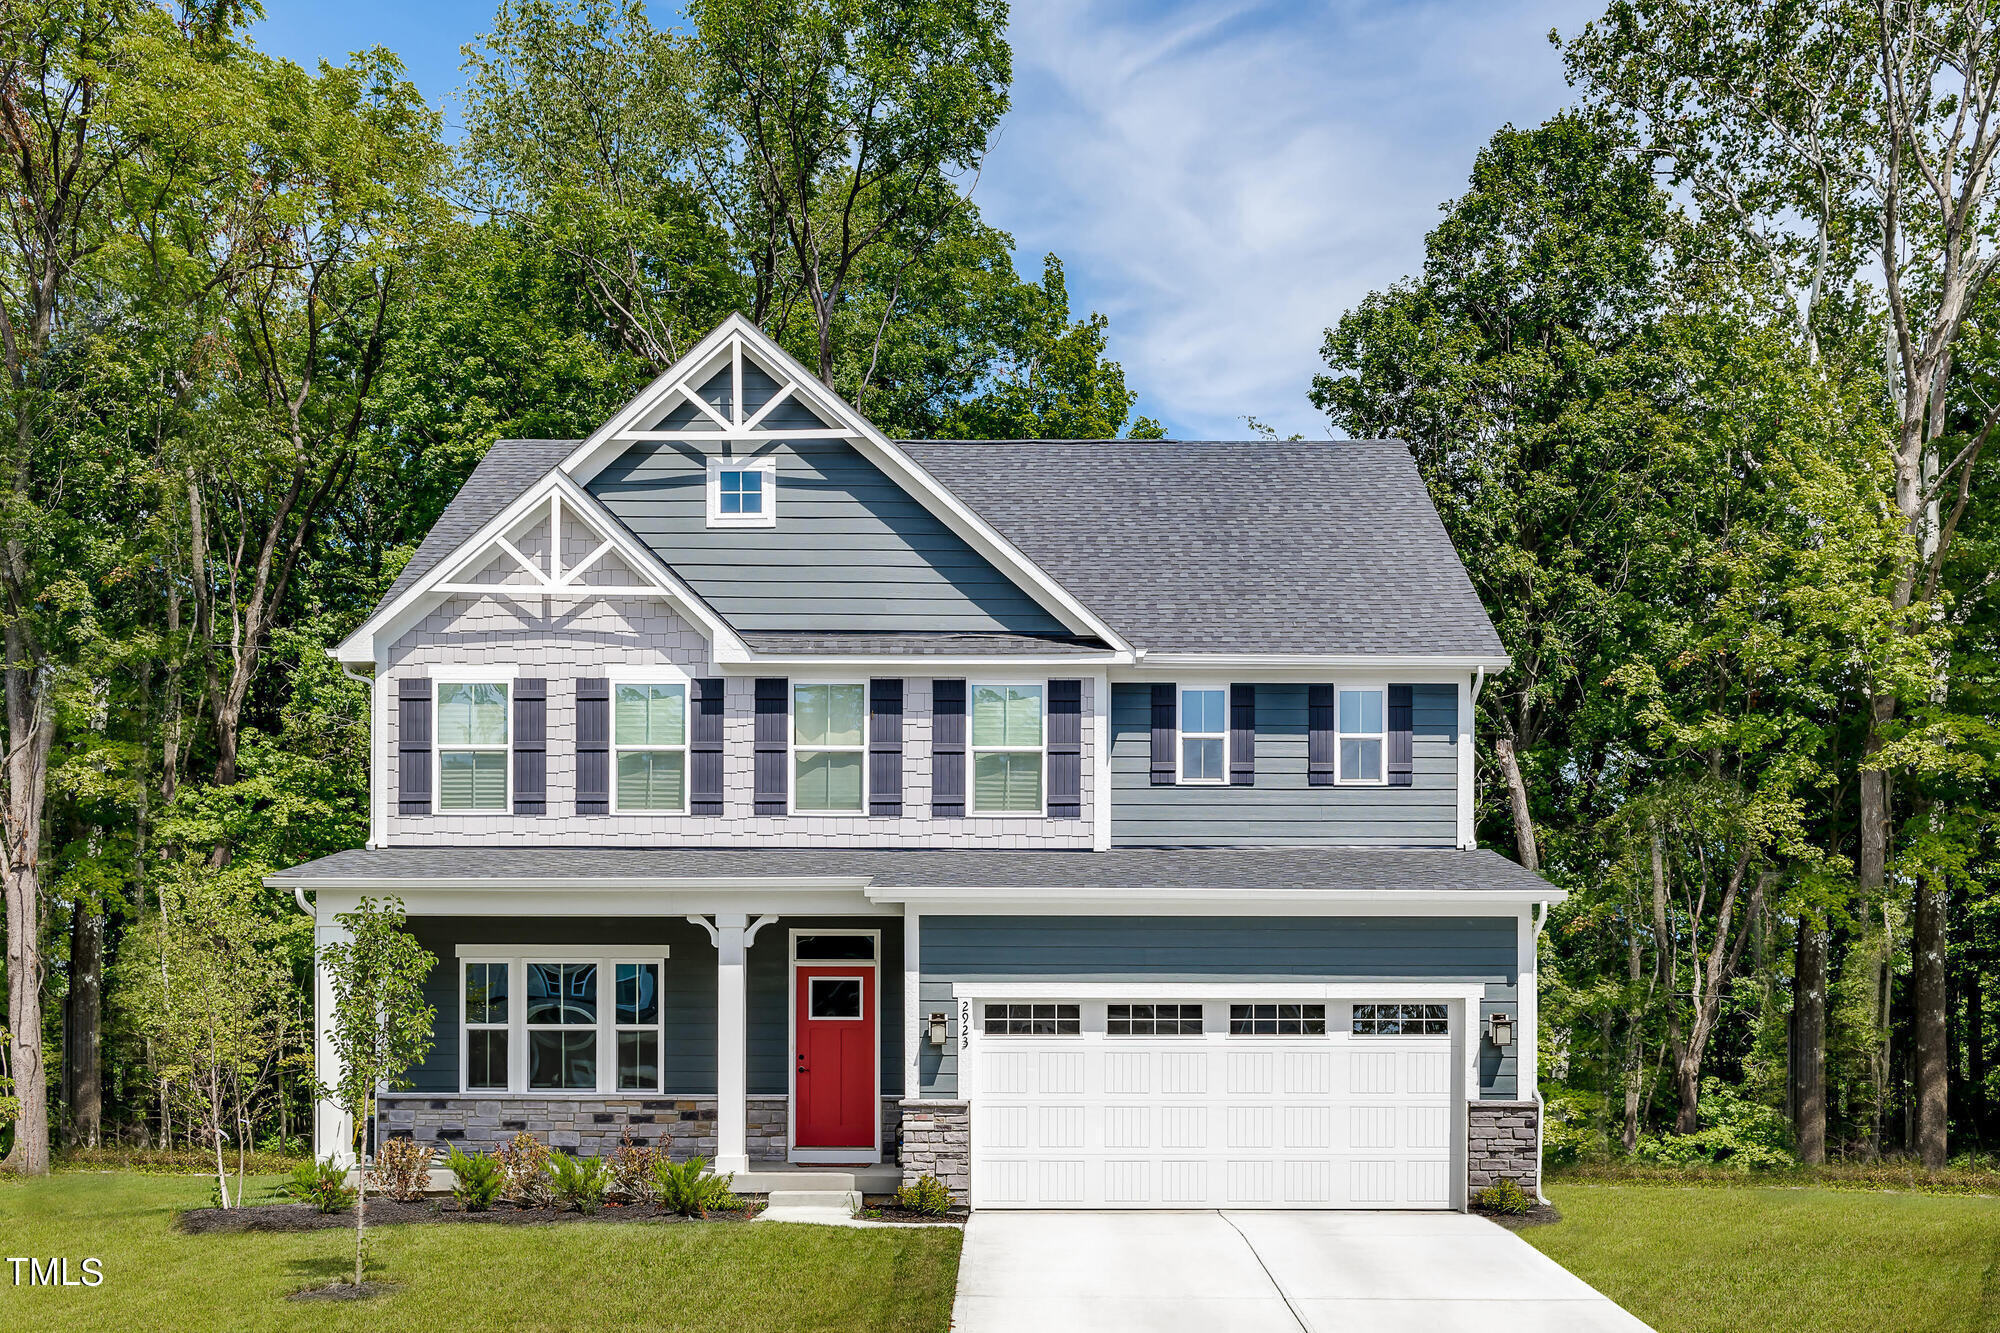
[1065, 749]
[1320, 739]
[947, 749]
[413, 746]
[1165, 725]
[593, 745]
[705, 748]
[1242, 735]
[885, 748]
[531, 747]
[773, 790]
[1402, 723]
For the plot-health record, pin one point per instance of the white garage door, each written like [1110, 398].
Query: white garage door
[1146, 1104]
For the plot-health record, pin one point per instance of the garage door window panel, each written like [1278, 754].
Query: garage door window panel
[1277, 1020]
[1402, 1020]
[1033, 1020]
[1152, 1020]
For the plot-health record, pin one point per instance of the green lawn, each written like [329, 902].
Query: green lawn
[459, 1277]
[1700, 1260]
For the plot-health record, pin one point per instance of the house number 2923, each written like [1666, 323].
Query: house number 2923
[964, 1024]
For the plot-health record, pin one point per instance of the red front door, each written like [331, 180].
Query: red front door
[833, 1090]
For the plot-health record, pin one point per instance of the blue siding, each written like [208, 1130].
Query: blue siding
[959, 949]
[1280, 809]
[687, 991]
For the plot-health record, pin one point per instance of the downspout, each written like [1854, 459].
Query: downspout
[1540, 914]
[1478, 681]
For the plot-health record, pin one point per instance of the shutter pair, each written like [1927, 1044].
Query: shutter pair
[1323, 735]
[885, 747]
[1242, 735]
[593, 746]
[1063, 737]
[529, 736]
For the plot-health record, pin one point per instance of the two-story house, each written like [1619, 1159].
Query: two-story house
[1088, 823]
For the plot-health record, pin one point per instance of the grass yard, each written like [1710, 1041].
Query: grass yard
[459, 1277]
[1697, 1260]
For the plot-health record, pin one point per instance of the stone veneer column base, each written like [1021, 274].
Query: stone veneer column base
[937, 1141]
[1503, 1144]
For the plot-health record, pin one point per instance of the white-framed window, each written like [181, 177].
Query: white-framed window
[1277, 1020]
[1364, 734]
[1204, 734]
[742, 492]
[1007, 749]
[562, 1019]
[485, 990]
[1402, 1020]
[472, 731]
[829, 753]
[1152, 1020]
[649, 737]
[638, 1025]
[1033, 1020]
[835, 998]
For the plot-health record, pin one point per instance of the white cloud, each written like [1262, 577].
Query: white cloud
[1224, 181]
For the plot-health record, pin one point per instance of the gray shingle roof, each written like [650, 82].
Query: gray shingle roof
[1285, 868]
[923, 645]
[509, 468]
[1248, 546]
[1242, 546]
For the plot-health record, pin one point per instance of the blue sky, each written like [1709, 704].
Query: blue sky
[1221, 179]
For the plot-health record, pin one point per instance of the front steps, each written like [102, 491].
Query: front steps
[795, 1194]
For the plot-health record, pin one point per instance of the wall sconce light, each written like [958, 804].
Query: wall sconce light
[1500, 1030]
[938, 1033]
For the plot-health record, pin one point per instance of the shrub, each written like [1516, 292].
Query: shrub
[476, 1181]
[1735, 1132]
[321, 1184]
[1574, 1128]
[926, 1194]
[632, 1170]
[525, 1162]
[691, 1189]
[402, 1168]
[579, 1182]
[1505, 1197]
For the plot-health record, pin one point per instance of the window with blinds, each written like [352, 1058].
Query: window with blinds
[472, 746]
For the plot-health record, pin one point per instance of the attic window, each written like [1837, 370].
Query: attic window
[742, 492]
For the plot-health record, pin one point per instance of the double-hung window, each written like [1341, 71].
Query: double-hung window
[827, 751]
[649, 729]
[742, 493]
[486, 1026]
[638, 1021]
[1204, 733]
[1007, 738]
[472, 746]
[562, 1026]
[1363, 735]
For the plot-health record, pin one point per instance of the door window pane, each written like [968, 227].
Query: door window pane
[834, 997]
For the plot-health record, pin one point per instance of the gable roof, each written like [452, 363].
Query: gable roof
[1245, 546]
[509, 468]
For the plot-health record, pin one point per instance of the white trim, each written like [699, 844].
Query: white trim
[973, 749]
[767, 470]
[1149, 663]
[1053, 900]
[1170, 991]
[737, 335]
[505, 748]
[1100, 796]
[856, 1154]
[915, 665]
[792, 746]
[1468, 764]
[559, 953]
[1182, 734]
[916, 1033]
[1381, 738]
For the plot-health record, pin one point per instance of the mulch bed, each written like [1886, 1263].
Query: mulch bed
[388, 1212]
[1539, 1216]
[891, 1213]
[342, 1291]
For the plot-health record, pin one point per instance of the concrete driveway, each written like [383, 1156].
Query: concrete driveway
[1266, 1272]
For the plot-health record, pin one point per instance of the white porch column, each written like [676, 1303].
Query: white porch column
[333, 1128]
[732, 933]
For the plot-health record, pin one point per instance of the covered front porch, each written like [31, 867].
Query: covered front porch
[750, 1037]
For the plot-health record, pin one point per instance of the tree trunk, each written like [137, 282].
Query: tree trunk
[1517, 796]
[1931, 1061]
[1809, 1042]
[1975, 1052]
[1634, 1035]
[82, 1069]
[30, 733]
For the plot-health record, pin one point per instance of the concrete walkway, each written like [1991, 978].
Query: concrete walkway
[1266, 1272]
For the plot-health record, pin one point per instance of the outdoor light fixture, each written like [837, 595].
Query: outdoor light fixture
[937, 1026]
[1500, 1030]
